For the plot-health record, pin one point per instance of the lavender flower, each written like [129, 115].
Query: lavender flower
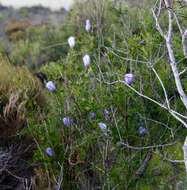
[129, 78]
[106, 113]
[185, 33]
[49, 151]
[103, 127]
[92, 115]
[88, 25]
[67, 121]
[86, 61]
[51, 86]
[142, 131]
[71, 41]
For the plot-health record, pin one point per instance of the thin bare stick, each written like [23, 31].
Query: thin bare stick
[185, 153]
[147, 147]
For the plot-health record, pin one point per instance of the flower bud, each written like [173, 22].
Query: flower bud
[92, 115]
[51, 86]
[88, 25]
[142, 131]
[86, 61]
[107, 114]
[129, 78]
[49, 151]
[142, 43]
[71, 41]
[67, 121]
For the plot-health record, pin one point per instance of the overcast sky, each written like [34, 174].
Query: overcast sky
[53, 4]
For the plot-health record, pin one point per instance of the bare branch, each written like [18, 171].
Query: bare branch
[147, 147]
[185, 153]
[144, 164]
[172, 61]
[168, 40]
[178, 24]
[184, 43]
[158, 25]
[174, 113]
[163, 87]
[183, 71]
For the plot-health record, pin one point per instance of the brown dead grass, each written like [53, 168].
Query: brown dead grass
[20, 94]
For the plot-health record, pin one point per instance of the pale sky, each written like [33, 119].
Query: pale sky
[53, 4]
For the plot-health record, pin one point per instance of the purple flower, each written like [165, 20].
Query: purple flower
[67, 121]
[49, 151]
[142, 131]
[71, 42]
[185, 33]
[51, 86]
[103, 127]
[106, 113]
[86, 61]
[88, 25]
[92, 115]
[129, 78]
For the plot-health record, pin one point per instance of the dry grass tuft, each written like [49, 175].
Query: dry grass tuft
[20, 94]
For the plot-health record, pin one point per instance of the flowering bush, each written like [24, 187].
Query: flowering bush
[130, 124]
